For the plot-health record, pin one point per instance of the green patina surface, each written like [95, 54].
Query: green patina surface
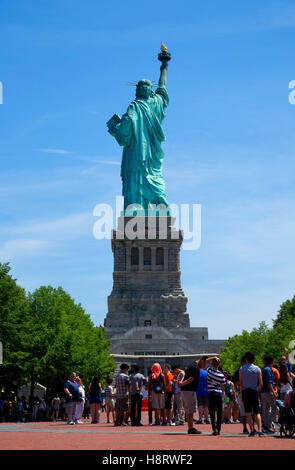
[140, 132]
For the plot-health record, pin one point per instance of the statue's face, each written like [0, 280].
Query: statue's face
[144, 89]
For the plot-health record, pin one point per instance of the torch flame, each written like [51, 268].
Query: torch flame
[163, 47]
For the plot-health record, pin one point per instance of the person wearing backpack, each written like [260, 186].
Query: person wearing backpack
[156, 388]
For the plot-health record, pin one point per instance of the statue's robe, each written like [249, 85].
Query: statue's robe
[141, 134]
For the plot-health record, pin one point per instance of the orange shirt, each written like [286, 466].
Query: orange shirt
[168, 377]
[276, 378]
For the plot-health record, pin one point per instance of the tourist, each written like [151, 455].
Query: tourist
[35, 408]
[230, 397]
[62, 409]
[150, 409]
[202, 393]
[86, 412]
[236, 381]
[268, 396]
[189, 385]
[178, 375]
[95, 399]
[137, 381]
[55, 404]
[289, 400]
[1, 409]
[80, 404]
[250, 385]
[285, 362]
[20, 411]
[109, 401]
[72, 395]
[156, 391]
[285, 381]
[168, 395]
[42, 410]
[216, 390]
[122, 391]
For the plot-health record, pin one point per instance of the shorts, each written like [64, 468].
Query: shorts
[109, 404]
[71, 408]
[95, 399]
[251, 401]
[168, 400]
[189, 399]
[158, 401]
[241, 405]
[122, 404]
[203, 401]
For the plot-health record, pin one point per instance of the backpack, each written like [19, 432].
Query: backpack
[228, 389]
[158, 384]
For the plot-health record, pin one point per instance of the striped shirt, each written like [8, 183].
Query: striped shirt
[109, 392]
[215, 379]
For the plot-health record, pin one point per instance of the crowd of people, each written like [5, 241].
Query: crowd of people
[253, 397]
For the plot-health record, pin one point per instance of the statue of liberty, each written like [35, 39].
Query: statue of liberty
[140, 132]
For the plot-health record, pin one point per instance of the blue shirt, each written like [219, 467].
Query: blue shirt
[267, 378]
[73, 388]
[202, 390]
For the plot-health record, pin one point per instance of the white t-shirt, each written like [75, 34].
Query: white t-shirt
[82, 392]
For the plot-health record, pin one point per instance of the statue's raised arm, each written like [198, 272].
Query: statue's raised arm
[164, 57]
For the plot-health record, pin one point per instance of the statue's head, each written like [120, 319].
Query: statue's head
[144, 88]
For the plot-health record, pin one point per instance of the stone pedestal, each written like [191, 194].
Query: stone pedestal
[147, 317]
[146, 289]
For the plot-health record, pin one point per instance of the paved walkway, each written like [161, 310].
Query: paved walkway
[60, 436]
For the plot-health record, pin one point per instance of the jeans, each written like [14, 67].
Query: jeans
[136, 403]
[215, 406]
[269, 409]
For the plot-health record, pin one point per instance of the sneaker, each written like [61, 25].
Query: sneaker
[245, 431]
[198, 421]
[79, 422]
[261, 434]
[214, 433]
[251, 434]
[172, 424]
[194, 431]
[207, 421]
[156, 424]
[71, 422]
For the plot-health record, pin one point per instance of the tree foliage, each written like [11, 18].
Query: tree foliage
[287, 310]
[46, 335]
[262, 341]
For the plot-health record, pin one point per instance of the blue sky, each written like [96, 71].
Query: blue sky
[65, 68]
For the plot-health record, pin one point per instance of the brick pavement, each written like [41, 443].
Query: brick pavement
[60, 436]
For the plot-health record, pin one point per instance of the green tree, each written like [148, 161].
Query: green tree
[63, 339]
[237, 345]
[287, 309]
[14, 311]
